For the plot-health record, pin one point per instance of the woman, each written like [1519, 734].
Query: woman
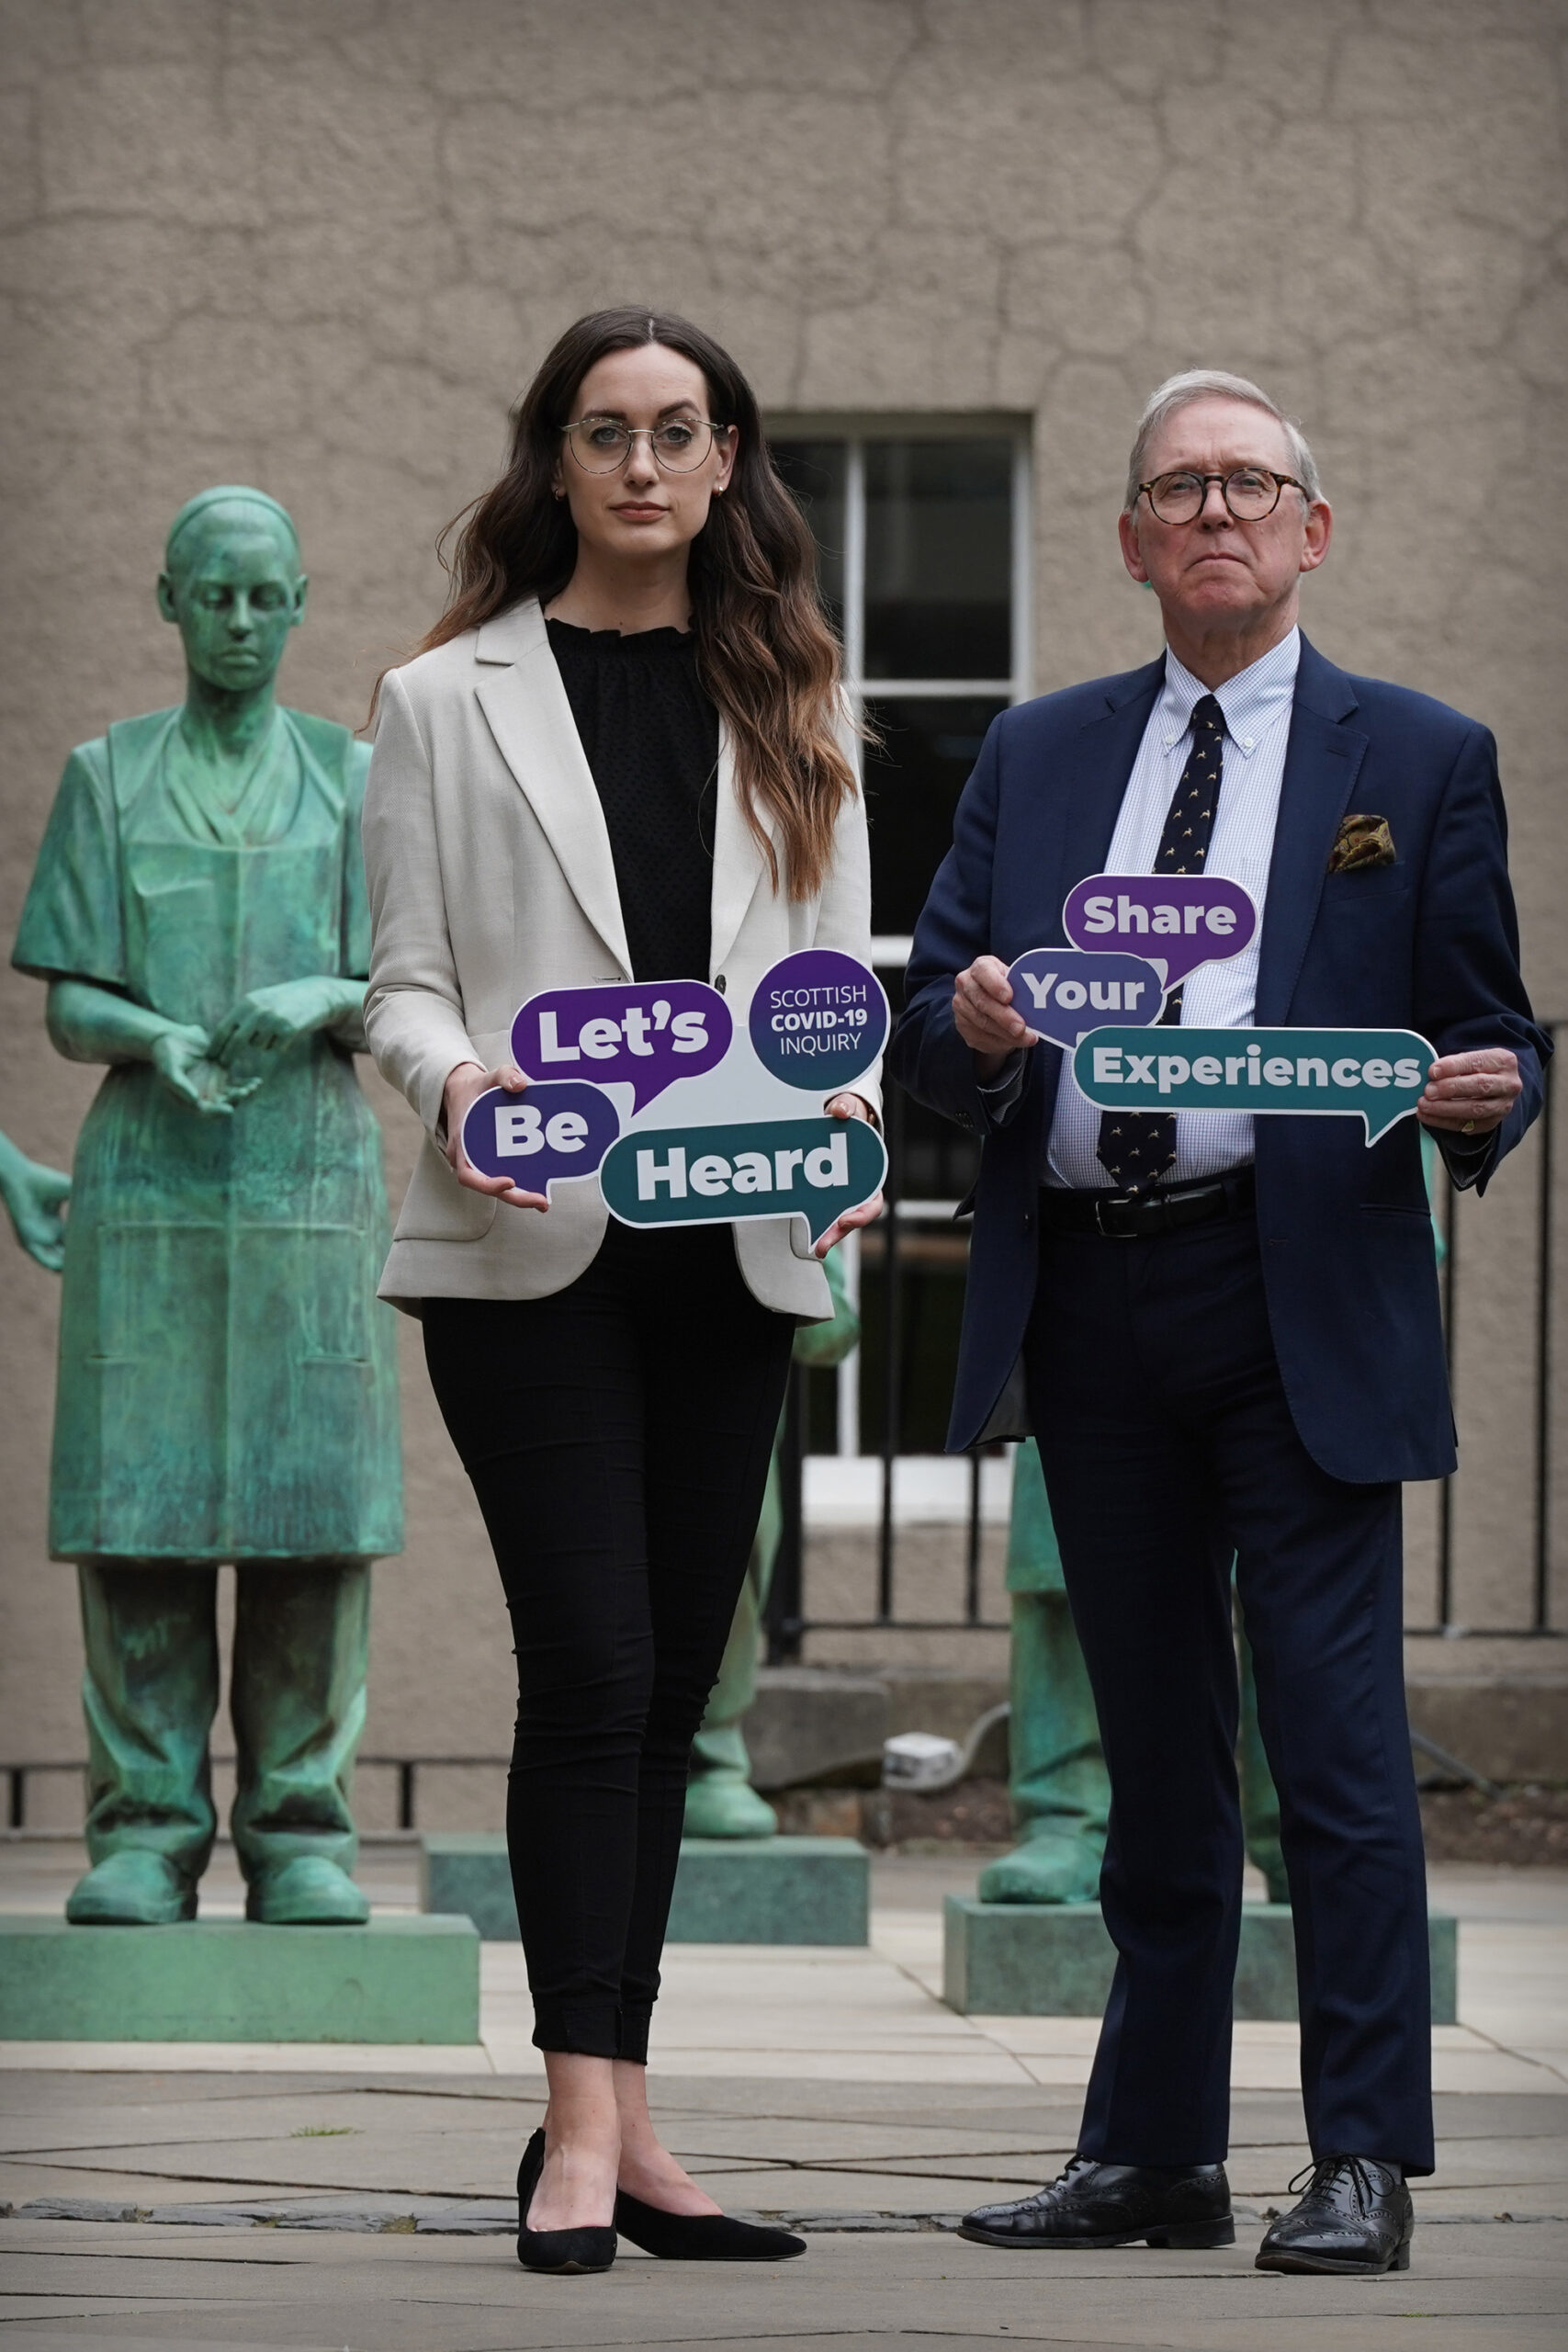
[618, 755]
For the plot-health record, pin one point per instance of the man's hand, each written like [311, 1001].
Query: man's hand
[464, 1086]
[268, 1021]
[848, 1106]
[983, 1016]
[1469, 1095]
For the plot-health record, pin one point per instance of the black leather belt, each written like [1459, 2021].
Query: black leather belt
[1126, 1217]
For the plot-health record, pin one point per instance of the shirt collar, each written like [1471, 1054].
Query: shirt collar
[1253, 701]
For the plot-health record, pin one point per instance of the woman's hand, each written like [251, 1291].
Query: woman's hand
[849, 1106]
[984, 1017]
[464, 1087]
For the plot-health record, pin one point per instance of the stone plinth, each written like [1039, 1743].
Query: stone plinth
[1055, 1960]
[727, 1890]
[395, 1980]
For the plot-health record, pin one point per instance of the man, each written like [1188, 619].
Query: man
[226, 1388]
[1228, 1331]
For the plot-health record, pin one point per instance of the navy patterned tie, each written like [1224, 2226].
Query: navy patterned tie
[1137, 1147]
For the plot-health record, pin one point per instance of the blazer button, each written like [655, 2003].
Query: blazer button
[1029, 1220]
[719, 984]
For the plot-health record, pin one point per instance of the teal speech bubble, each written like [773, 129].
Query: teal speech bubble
[812, 1168]
[1378, 1074]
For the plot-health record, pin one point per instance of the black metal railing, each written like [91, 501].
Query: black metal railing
[888, 1319]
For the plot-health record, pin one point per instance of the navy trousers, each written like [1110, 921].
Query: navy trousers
[1167, 1443]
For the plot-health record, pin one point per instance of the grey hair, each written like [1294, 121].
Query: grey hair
[1207, 383]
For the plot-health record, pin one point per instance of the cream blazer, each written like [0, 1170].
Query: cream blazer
[490, 878]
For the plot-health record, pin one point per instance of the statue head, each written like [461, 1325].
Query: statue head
[233, 586]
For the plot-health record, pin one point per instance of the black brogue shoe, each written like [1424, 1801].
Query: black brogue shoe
[1356, 2216]
[1099, 2205]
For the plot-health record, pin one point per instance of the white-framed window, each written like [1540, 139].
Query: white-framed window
[923, 526]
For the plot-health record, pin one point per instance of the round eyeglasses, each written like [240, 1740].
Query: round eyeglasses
[602, 444]
[1249, 492]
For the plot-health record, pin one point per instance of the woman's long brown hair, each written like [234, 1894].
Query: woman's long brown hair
[766, 654]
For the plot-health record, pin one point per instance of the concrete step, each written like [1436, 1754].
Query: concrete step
[394, 1980]
[728, 1889]
[1056, 1959]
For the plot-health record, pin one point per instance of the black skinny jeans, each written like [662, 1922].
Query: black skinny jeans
[618, 1435]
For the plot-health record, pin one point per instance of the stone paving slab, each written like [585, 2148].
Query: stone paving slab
[1498, 2290]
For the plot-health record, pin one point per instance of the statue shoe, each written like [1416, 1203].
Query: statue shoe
[1054, 1866]
[1266, 1856]
[308, 1892]
[720, 1806]
[135, 1888]
[1100, 2205]
[1356, 2218]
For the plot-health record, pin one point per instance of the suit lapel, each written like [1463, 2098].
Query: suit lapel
[1087, 788]
[1321, 761]
[525, 704]
[739, 864]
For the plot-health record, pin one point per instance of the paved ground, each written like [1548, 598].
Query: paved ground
[253, 2197]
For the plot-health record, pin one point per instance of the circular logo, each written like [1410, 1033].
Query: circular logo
[819, 1019]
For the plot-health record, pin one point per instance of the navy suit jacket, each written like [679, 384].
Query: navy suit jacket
[1429, 942]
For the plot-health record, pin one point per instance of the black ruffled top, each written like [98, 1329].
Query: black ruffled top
[652, 736]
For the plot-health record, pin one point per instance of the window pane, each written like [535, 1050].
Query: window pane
[815, 472]
[912, 784]
[938, 558]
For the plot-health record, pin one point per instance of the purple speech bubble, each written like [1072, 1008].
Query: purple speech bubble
[1063, 993]
[641, 1034]
[1177, 920]
[550, 1131]
[819, 1018]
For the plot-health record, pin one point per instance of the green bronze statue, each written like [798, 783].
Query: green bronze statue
[226, 1388]
[34, 1197]
[1057, 1781]
[720, 1800]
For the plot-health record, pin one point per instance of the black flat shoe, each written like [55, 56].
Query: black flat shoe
[700, 2237]
[566, 2252]
[1356, 2219]
[1099, 2205]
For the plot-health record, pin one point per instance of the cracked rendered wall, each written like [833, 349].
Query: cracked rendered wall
[319, 243]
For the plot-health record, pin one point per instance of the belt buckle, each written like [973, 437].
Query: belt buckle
[1112, 1201]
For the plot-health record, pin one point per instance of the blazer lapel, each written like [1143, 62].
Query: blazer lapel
[1321, 761]
[739, 863]
[1088, 788]
[529, 715]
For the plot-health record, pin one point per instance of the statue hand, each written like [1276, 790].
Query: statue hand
[36, 1197]
[181, 1059]
[269, 1021]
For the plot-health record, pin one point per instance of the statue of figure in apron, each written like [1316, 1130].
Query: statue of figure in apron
[1057, 1781]
[226, 1383]
[720, 1800]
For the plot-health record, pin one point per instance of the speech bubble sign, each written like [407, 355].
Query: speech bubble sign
[641, 1034]
[1062, 993]
[1177, 920]
[819, 1019]
[553, 1130]
[1375, 1074]
[811, 1167]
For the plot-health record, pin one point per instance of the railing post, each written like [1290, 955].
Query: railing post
[783, 1615]
[1541, 1613]
[892, 1342]
[1446, 1492]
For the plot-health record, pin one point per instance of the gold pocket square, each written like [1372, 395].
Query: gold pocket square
[1362, 841]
